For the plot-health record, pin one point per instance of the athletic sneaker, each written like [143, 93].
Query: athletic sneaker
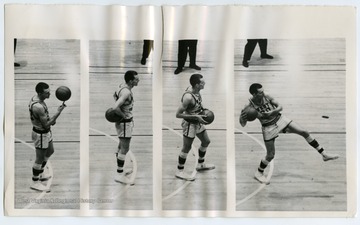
[121, 178]
[181, 175]
[261, 178]
[44, 177]
[203, 166]
[327, 157]
[39, 187]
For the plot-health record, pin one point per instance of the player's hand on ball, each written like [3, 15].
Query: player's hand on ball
[243, 115]
[200, 119]
[61, 107]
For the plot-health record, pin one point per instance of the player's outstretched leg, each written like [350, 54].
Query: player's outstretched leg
[295, 128]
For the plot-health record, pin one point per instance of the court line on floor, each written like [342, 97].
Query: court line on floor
[132, 158]
[49, 166]
[271, 169]
[213, 129]
[182, 187]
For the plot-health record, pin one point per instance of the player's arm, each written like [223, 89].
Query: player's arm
[123, 95]
[275, 111]
[39, 111]
[243, 116]
[180, 113]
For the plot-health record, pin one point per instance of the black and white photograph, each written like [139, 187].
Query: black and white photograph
[180, 113]
[120, 130]
[194, 126]
[290, 124]
[47, 124]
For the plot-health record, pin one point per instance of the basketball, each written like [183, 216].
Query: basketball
[209, 116]
[63, 93]
[251, 113]
[111, 116]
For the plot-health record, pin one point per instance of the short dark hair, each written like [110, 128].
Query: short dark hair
[130, 75]
[195, 79]
[40, 87]
[254, 87]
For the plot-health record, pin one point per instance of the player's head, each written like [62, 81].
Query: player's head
[131, 77]
[256, 89]
[43, 90]
[196, 80]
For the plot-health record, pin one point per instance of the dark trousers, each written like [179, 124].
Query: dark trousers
[186, 46]
[250, 46]
[147, 46]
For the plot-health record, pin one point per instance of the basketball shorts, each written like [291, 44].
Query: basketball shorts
[41, 141]
[272, 131]
[124, 129]
[190, 130]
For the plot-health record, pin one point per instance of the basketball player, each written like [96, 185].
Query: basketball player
[193, 125]
[41, 134]
[273, 122]
[124, 102]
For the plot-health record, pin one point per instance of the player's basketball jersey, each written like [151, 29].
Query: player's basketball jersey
[35, 120]
[127, 107]
[266, 106]
[197, 108]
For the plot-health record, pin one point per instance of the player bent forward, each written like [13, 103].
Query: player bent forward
[124, 102]
[272, 124]
[193, 125]
[41, 134]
